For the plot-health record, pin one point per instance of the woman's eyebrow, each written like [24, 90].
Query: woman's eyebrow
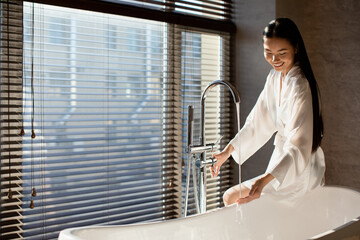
[280, 50]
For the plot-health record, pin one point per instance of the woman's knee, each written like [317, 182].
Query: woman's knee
[229, 196]
[226, 197]
[232, 194]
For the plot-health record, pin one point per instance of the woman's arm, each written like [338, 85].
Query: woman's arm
[256, 189]
[257, 130]
[259, 125]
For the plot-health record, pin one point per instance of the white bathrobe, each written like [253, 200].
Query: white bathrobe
[295, 168]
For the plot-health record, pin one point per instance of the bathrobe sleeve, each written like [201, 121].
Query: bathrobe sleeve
[258, 128]
[297, 135]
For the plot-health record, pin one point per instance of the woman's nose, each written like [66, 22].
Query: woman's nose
[275, 58]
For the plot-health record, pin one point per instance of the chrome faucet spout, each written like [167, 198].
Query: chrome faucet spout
[202, 148]
[232, 89]
[236, 98]
[234, 93]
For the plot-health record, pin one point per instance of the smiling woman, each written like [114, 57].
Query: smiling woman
[289, 107]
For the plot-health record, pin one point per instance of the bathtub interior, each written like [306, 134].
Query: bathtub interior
[321, 210]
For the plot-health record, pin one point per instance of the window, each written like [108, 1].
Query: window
[135, 39]
[99, 130]
[106, 96]
[59, 32]
[111, 39]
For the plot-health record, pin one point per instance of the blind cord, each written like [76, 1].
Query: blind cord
[10, 194]
[33, 189]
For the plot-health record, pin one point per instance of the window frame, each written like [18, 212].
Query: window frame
[130, 10]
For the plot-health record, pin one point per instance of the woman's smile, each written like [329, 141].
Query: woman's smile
[277, 65]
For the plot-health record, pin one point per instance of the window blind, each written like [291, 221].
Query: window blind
[108, 107]
[213, 9]
[11, 116]
[97, 158]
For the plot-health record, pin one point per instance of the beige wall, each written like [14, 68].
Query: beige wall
[331, 31]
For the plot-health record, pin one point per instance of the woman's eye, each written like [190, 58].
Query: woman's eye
[281, 54]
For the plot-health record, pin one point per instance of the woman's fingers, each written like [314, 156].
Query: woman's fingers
[244, 200]
[247, 199]
[256, 189]
[253, 189]
[254, 193]
[214, 170]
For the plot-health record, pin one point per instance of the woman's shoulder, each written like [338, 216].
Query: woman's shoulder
[272, 76]
[297, 80]
[273, 73]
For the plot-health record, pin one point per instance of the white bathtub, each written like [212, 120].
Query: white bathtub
[325, 213]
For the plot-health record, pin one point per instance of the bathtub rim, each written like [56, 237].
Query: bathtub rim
[346, 230]
[349, 227]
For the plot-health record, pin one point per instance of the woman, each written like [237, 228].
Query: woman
[289, 105]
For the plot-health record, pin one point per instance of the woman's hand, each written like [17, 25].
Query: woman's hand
[256, 189]
[221, 158]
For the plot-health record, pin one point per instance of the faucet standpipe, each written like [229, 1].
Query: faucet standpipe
[202, 148]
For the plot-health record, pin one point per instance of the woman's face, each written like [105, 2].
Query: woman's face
[279, 53]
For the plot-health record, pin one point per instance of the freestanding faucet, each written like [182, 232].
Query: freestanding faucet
[202, 148]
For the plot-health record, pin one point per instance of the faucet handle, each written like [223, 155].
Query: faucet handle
[213, 145]
[217, 141]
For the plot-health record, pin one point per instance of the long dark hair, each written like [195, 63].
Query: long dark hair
[287, 29]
